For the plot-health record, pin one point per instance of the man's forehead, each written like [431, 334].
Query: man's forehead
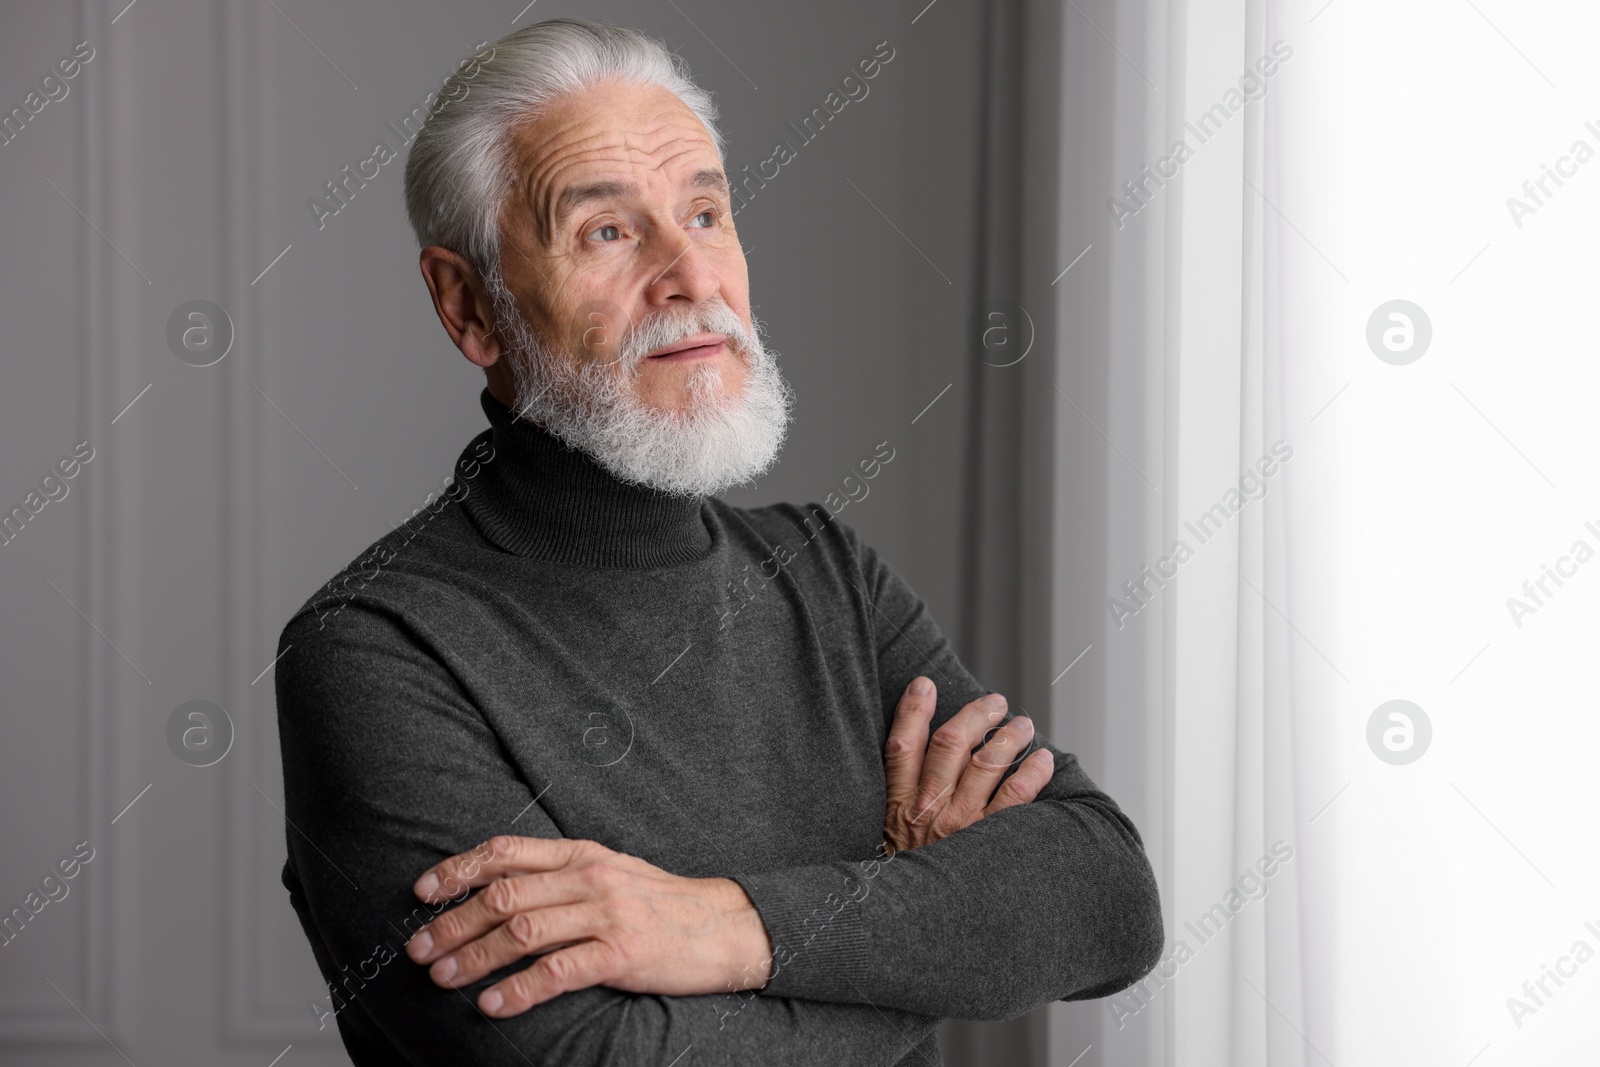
[609, 139]
[674, 155]
[615, 125]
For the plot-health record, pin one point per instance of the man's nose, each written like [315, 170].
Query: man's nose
[684, 272]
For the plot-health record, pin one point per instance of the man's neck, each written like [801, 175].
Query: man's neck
[540, 498]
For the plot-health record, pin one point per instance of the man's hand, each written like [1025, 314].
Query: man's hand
[599, 917]
[932, 796]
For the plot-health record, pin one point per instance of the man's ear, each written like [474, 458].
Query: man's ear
[464, 308]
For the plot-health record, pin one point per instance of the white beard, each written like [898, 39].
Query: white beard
[720, 440]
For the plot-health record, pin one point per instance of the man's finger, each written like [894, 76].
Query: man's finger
[527, 933]
[497, 857]
[576, 967]
[1023, 787]
[496, 905]
[986, 768]
[908, 737]
[951, 747]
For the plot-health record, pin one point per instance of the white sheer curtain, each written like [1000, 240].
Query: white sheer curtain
[1421, 537]
[1172, 416]
[1229, 655]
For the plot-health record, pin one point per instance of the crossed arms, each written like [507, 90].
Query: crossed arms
[599, 917]
[982, 912]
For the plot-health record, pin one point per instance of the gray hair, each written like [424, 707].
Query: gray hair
[459, 170]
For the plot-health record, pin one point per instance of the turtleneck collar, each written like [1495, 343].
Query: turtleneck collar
[538, 497]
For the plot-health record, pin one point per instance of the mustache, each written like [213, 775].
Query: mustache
[671, 326]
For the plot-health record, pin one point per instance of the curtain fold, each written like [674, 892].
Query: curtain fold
[1169, 429]
[1129, 484]
[997, 555]
[1229, 706]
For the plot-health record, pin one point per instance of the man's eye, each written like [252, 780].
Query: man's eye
[709, 216]
[608, 232]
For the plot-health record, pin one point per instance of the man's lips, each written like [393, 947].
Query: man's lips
[700, 346]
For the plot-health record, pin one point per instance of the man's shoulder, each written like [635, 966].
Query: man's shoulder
[786, 533]
[406, 568]
[786, 519]
[438, 545]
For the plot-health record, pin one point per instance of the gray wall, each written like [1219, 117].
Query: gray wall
[183, 157]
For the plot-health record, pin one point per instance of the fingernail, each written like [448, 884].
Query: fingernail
[427, 884]
[490, 1001]
[445, 969]
[419, 947]
[920, 686]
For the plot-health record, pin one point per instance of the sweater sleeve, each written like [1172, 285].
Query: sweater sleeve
[389, 768]
[1052, 900]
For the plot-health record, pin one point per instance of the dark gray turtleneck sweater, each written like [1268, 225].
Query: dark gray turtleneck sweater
[548, 651]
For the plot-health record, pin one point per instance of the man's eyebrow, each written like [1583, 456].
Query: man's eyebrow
[575, 195]
[710, 179]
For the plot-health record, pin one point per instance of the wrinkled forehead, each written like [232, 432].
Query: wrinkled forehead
[618, 135]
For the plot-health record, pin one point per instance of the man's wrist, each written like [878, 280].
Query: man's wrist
[750, 949]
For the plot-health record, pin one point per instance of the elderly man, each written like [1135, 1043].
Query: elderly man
[549, 717]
